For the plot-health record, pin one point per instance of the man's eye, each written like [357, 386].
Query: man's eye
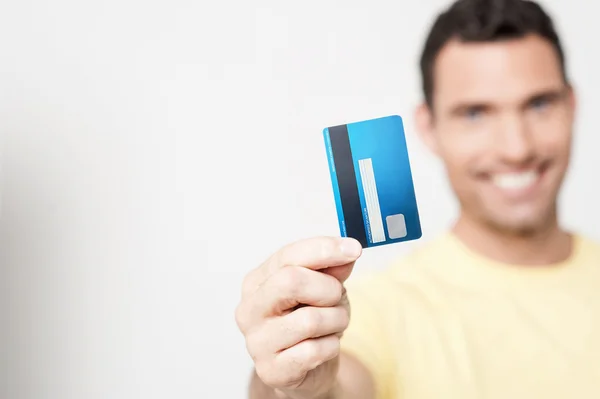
[539, 104]
[473, 113]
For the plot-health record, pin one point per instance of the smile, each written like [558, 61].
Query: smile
[516, 180]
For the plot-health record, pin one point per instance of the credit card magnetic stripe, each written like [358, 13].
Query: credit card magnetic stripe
[353, 222]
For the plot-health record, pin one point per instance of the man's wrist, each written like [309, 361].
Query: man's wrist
[259, 390]
[334, 392]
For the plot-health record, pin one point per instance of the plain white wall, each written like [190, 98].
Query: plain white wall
[154, 152]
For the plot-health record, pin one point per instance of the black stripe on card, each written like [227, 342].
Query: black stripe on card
[348, 186]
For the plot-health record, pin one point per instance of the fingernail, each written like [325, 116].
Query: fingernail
[351, 248]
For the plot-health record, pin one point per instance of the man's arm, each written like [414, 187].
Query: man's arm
[354, 382]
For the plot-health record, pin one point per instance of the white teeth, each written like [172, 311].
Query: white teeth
[515, 181]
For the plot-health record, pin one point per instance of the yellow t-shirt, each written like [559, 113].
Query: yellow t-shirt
[445, 322]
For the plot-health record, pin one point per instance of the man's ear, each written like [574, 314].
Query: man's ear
[425, 128]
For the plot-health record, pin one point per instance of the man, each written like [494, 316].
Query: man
[507, 304]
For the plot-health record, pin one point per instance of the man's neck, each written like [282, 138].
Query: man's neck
[545, 247]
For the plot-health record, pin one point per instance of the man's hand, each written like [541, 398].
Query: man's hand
[293, 312]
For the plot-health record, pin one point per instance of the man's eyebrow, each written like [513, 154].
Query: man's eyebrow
[463, 107]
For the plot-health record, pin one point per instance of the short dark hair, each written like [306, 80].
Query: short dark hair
[485, 21]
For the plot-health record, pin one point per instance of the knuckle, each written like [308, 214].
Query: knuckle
[265, 372]
[241, 317]
[344, 318]
[318, 351]
[291, 279]
[284, 254]
[277, 257]
[329, 349]
[334, 349]
[253, 279]
[337, 289]
[310, 321]
[255, 346]
[272, 376]
[295, 377]
[311, 354]
[248, 283]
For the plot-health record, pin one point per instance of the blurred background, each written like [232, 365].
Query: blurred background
[153, 152]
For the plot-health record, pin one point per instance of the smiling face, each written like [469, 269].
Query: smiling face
[501, 122]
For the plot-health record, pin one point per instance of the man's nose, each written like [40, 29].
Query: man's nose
[514, 141]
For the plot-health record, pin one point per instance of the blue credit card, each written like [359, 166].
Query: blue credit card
[372, 181]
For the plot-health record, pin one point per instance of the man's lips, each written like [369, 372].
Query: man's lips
[515, 180]
[518, 181]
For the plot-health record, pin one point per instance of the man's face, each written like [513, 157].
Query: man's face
[501, 122]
